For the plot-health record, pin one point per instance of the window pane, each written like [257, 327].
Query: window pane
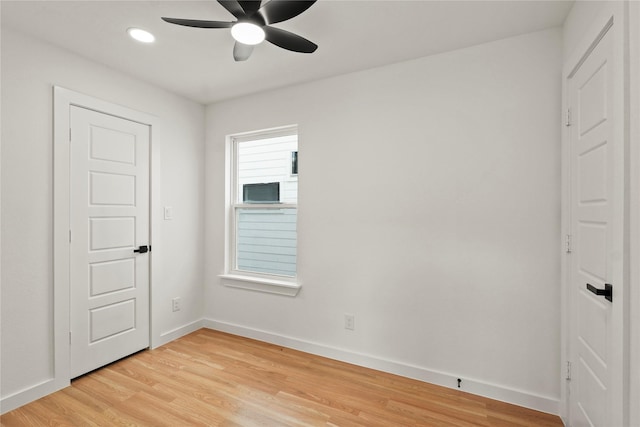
[266, 241]
[267, 161]
[261, 193]
[294, 163]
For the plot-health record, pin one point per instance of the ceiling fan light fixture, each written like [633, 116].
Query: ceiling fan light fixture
[253, 25]
[247, 33]
[141, 35]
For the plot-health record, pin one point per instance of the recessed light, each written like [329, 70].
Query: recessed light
[141, 35]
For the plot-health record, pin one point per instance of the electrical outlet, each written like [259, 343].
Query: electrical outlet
[349, 322]
[176, 304]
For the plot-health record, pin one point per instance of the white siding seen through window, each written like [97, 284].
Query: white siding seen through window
[265, 205]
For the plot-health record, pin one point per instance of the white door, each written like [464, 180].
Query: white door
[597, 213]
[109, 220]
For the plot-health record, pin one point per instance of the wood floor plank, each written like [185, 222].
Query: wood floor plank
[33, 415]
[210, 378]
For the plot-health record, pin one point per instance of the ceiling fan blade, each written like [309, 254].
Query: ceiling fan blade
[242, 52]
[250, 6]
[289, 41]
[281, 10]
[198, 24]
[233, 7]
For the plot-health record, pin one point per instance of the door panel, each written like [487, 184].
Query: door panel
[593, 175]
[596, 210]
[109, 219]
[593, 239]
[112, 145]
[590, 397]
[112, 189]
[112, 319]
[112, 233]
[112, 276]
[592, 99]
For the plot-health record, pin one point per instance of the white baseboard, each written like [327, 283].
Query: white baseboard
[35, 392]
[493, 391]
[174, 334]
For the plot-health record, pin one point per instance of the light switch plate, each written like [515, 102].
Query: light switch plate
[168, 213]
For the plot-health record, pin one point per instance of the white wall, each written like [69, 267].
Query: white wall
[429, 207]
[29, 71]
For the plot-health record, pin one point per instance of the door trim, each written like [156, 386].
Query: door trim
[611, 18]
[63, 99]
[634, 211]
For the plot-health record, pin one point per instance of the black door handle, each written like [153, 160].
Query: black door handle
[143, 249]
[607, 292]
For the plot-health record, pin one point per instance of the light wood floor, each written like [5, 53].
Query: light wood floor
[210, 378]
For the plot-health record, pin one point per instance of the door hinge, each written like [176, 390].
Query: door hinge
[567, 243]
[568, 377]
[567, 121]
[69, 337]
[69, 134]
[69, 236]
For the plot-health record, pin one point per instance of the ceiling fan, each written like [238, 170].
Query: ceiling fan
[253, 25]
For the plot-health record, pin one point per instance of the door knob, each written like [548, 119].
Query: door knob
[143, 249]
[607, 292]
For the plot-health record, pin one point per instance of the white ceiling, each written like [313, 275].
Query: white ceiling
[198, 63]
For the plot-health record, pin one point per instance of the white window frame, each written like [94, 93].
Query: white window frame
[232, 277]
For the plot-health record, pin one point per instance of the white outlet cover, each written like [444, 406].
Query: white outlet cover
[349, 321]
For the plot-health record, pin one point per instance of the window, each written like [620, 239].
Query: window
[294, 163]
[262, 218]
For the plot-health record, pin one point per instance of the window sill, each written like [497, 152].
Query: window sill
[279, 287]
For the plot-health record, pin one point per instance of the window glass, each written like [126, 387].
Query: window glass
[294, 163]
[265, 161]
[264, 208]
[267, 241]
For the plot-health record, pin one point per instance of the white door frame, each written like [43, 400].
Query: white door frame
[63, 100]
[634, 212]
[612, 13]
